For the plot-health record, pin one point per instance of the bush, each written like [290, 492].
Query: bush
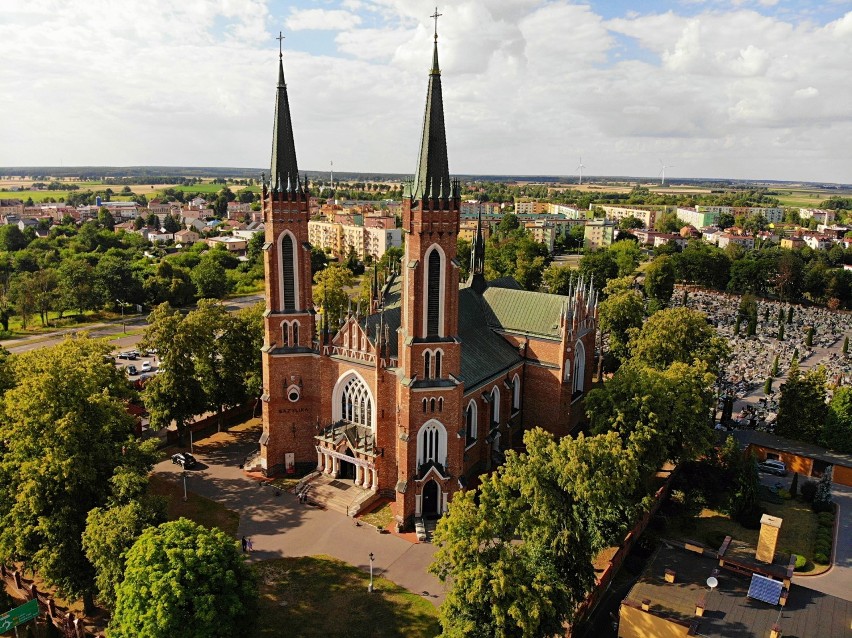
[821, 558]
[784, 494]
[825, 519]
[822, 547]
[801, 561]
[808, 491]
[821, 507]
[823, 536]
[750, 519]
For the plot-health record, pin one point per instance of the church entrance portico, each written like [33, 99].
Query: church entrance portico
[430, 499]
[346, 466]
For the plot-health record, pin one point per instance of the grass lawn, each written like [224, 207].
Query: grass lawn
[318, 596]
[196, 508]
[380, 517]
[798, 530]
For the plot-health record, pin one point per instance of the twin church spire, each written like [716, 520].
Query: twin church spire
[284, 173]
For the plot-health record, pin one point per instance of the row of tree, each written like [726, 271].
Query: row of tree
[518, 551]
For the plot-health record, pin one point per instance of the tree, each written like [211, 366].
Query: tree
[677, 334]
[78, 284]
[557, 280]
[837, 433]
[63, 425]
[660, 280]
[184, 579]
[845, 345]
[138, 222]
[662, 414]
[210, 278]
[774, 371]
[802, 411]
[617, 315]
[12, 238]
[600, 266]
[171, 224]
[518, 550]
[788, 281]
[152, 221]
[463, 250]
[509, 223]
[174, 394]
[627, 255]
[105, 218]
[743, 496]
[329, 290]
[822, 498]
[726, 220]
[629, 222]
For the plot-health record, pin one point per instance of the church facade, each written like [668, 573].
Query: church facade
[426, 389]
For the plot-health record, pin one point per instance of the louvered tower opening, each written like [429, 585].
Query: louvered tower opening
[432, 311]
[288, 273]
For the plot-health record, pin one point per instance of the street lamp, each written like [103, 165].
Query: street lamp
[184, 485]
[370, 586]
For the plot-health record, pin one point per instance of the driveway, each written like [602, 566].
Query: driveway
[279, 526]
[837, 581]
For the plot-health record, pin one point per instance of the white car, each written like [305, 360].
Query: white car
[146, 366]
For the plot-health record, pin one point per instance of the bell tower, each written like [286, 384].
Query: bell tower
[430, 219]
[289, 358]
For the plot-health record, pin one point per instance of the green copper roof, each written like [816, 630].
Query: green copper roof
[432, 180]
[284, 175]
[484, 352]
[524, 312]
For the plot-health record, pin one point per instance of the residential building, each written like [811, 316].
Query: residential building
[11, 207]
[232, 244]
[599, 233]
[793, 242]
[186, 236]
[821, 216]
[645, 214]
[818, 242]
[725, 239]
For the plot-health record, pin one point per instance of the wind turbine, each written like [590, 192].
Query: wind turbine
[662, 172]
[579, 169]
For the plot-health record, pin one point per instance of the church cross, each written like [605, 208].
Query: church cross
[280, 39]
[436, 15]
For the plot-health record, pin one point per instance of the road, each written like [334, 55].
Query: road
[837, 581]
[108, 329]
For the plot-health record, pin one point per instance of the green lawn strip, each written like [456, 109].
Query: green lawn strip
[196, 508]
[319, 596]
[380, 516]
[798, 530]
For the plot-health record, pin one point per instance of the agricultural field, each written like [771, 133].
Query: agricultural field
[807, 198]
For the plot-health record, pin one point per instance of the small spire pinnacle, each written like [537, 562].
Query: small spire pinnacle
[280, 39]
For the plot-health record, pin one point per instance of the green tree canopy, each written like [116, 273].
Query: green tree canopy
[619, 313]
[802, 410]
[838, 425]
[677, 335]
[182, 579]
[63, 425]
[329, 291]
[660, 280]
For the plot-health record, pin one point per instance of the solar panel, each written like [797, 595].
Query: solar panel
[765, 589]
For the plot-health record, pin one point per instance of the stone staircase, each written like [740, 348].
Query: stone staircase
[339, 495]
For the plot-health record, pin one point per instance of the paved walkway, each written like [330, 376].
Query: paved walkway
[837, 581]
[280, 526]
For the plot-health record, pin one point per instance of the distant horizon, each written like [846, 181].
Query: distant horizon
[6, 171]
[746, 88]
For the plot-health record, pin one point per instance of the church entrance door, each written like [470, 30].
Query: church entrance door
[347, 469]
[430, 500]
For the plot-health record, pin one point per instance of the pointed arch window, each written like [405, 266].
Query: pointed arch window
[433, 303]
[285, 334]
[579, 367]
[438, 357]
[495, 407]
[356, 402]
[516, 393]
[470, 423]
[288, 271]
[295, 329]
[432, 443]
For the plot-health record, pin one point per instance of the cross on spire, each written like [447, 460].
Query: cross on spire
[280, 39]
[436, 15]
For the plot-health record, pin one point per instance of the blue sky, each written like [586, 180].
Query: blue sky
[716, 88]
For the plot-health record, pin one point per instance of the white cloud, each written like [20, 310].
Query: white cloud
[322, 20]
[528, 84]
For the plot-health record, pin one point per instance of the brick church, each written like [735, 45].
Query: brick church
[416, 397]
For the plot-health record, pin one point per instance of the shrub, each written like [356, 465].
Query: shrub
[822, 507]
[750, 519]
[784, 494]
[801, 561]
[825, 519]
[821, 547]
[794, 485]
[808, 491]
[821, 558]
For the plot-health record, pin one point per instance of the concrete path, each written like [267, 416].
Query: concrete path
[279, 526]
[837, 581]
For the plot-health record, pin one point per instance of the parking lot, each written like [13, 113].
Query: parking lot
[137, 365]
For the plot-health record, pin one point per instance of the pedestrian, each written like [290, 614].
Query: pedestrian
[245, 544]
[249, 544]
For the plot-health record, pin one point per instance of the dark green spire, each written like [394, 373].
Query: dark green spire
[284, 176]
[432, 180]
[477, 258]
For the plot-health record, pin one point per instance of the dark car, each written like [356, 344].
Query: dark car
[131, 370]
[779, 468]
[184, 459]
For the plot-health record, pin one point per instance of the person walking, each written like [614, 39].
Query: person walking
[245, 544]
[249, 544]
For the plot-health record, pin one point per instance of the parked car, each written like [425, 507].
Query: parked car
[146, 366]
[131, 370]
[184, 459]
[770, 466]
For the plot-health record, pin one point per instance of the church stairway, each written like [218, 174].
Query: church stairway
[339, 495]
